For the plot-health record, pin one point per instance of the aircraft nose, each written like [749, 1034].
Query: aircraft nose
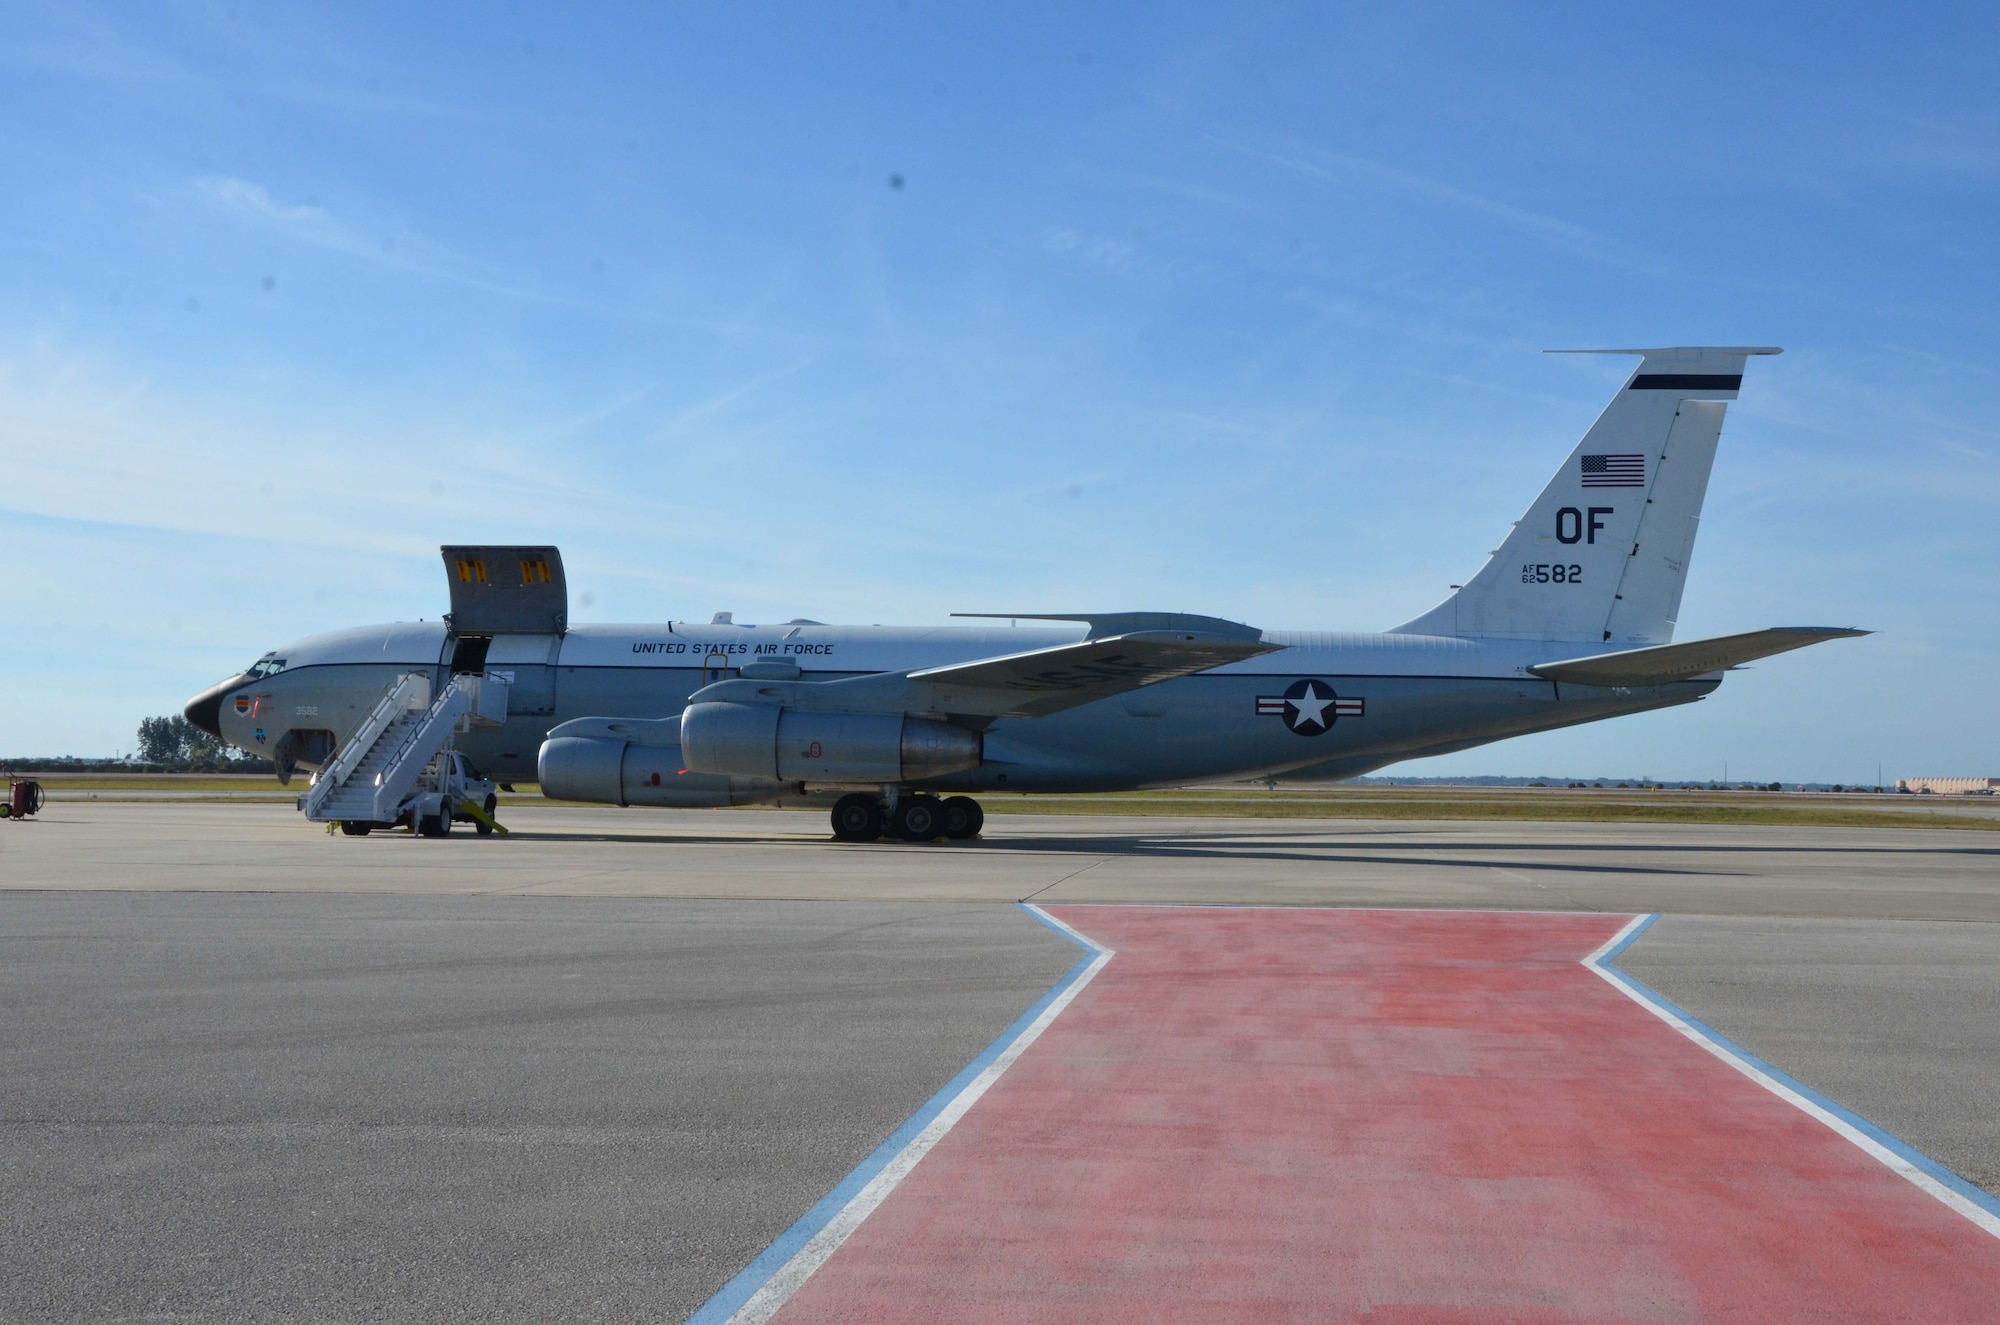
[204, 711]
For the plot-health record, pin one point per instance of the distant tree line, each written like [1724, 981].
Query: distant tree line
[178, 746]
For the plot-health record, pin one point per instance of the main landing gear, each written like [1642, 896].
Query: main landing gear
[861, 817]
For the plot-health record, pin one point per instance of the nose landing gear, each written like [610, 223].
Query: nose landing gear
[860, 817]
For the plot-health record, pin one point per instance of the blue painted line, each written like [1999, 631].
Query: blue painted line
[773, 1258]
[1069, 934]
[1627, 942]
[1894, 1144]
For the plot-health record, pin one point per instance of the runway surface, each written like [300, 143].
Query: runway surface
[1900, 1020]
[341, 1108]
[754, 854]
[1301, 1114]
[250, 1071]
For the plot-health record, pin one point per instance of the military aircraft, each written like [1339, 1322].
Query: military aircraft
[1571, 621]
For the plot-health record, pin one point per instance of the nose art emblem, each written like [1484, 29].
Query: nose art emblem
[243, 703]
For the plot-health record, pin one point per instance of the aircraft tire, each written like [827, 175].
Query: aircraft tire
[356, 827]
[963, 818]
[920, 819]
[857, 818]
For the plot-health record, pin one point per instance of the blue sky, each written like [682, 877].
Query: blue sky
[875, 312]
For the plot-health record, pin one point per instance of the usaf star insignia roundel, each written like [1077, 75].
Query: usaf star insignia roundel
[1309, 707]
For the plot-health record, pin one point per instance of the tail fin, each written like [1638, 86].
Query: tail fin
[1602, 555]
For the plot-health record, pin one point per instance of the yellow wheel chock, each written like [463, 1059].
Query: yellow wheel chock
[477, 812]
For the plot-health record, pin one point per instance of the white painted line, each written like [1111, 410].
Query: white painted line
[755, 1295]
[1315, 906]
[1898, 1156]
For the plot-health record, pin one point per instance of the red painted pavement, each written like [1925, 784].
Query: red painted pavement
[1388, 1116]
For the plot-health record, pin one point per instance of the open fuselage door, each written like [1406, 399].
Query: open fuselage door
[509, 611]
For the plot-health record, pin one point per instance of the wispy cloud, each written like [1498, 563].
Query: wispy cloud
[393, 245]
[82, 41]
[242, 197]
[1097, 250]
[1350, 171]
[375, 235]
[93, 442]
[1177, 188]
[1964, 148]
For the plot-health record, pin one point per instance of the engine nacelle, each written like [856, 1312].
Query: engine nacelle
[765, 741]
[608, 769]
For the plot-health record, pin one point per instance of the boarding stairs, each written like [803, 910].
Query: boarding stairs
[372, 774]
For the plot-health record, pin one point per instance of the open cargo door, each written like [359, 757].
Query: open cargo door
[506, 591]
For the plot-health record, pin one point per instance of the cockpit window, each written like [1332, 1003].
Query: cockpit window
[267, 667]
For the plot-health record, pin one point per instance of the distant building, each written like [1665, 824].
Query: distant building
[1951, 786]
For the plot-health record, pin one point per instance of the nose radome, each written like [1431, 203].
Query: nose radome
[204, 711]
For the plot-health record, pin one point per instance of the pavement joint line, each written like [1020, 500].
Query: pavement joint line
[1892, 1152]
[528, 889]
[1060, 882]
[1536, 883]
[770, 1280]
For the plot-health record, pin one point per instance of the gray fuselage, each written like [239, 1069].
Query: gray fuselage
[1418, 695]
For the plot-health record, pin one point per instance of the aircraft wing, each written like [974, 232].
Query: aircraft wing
[1123, 652]
[1665, 663]
[1044, 681]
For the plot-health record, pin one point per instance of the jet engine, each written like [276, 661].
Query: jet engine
[613, 761]
[766, 741]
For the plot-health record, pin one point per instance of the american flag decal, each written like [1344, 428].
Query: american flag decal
[1614, 471]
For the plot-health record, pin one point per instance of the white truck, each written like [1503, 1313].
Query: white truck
[399, 770]
[449, 790]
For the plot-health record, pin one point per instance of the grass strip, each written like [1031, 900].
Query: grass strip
[1520, 810]
[164, 782]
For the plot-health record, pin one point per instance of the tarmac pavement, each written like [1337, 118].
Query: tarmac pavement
[1897, 1020]
[556, 850]
[251, 1071]
[340, 1107]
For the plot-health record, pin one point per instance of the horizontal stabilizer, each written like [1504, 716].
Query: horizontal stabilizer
[1667, 663]
[1043, 681]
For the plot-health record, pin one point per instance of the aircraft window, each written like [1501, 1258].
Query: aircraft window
[267, 667]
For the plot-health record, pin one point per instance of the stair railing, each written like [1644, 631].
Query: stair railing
[412, 691]
[403, 767]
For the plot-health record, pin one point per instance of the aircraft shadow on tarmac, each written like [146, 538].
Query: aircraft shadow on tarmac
[1316, 844]
[1426, 855]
